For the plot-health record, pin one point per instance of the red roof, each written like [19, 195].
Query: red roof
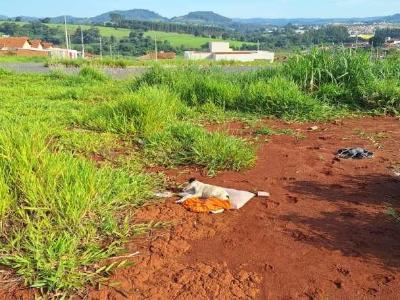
[47, 45]
[35, 43]
[13, 42]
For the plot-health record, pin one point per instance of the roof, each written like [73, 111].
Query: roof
[47, 45]
[35, 43]
[13, 42]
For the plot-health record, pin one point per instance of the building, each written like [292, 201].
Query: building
[14, 43]
[36, 44]
[62, 53]
[221, 51]
[22, 46]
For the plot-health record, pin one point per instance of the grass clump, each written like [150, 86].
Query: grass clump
[60, 214]
[184, 144]
[143, 113]
[92, 74]
[282, 98]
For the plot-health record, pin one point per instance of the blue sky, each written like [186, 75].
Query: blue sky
[230, 8]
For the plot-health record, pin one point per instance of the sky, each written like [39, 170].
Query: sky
[229, 8]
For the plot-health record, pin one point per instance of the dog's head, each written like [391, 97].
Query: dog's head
[190, 185]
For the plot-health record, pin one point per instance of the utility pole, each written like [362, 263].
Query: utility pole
[155, 46]
[83, 44]
[101, 49]
[258, 45]
[110, 50]
[66, 32]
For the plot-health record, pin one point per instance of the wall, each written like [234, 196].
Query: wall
[24, 52]
[245, 57]
[219, 47]
[194, 55]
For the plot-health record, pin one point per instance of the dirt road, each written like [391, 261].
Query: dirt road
[323, 234]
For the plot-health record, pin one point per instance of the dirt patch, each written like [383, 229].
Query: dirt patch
[323, 234]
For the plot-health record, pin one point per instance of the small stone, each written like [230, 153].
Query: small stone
[313, 128]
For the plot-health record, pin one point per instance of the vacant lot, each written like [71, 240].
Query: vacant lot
[81, 154]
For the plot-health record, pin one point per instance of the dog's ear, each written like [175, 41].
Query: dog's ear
[191, 180]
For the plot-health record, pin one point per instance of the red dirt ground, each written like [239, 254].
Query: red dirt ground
[323, 234]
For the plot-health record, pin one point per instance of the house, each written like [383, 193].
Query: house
[62, 53]
[221, 51]
[22, 46]
[36, 44]
[47, 45]
[14, 43]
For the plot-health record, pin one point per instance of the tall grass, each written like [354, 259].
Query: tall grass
[155, 115]
[348, 77]
[143, 113]
[265, 92]
[59, 214]
[183, 144]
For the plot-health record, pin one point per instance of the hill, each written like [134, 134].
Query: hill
[317, 21]
[70, 19]
[202, 17]
[134, 14]
[211, 18]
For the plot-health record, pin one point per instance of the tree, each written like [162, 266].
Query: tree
[18, 19]
[45, 20]
[116, 19]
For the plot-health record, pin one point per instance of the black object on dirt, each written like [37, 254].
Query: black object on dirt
[354, 153]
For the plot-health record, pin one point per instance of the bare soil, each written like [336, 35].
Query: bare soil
[323, 234]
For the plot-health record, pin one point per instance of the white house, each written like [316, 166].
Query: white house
[221, 51]
[63, 53]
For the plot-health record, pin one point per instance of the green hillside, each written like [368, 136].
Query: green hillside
[176, 39]
[187, 40]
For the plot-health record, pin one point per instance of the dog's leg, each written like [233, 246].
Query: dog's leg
[198, 195]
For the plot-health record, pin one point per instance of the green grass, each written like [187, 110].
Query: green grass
[187, 41]
[22, 59]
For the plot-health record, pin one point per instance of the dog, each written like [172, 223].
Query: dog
[197, 189]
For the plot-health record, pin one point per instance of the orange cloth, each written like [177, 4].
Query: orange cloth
[206, 206]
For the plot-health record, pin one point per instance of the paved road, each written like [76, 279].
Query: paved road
[117, 73]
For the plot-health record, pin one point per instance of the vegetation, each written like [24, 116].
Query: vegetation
[122, 41]
[74, 148]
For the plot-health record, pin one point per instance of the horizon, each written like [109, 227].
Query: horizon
[275, 9]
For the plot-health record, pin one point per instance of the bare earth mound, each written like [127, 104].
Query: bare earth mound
[324, 233]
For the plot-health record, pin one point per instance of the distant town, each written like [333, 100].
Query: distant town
[147, 35]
